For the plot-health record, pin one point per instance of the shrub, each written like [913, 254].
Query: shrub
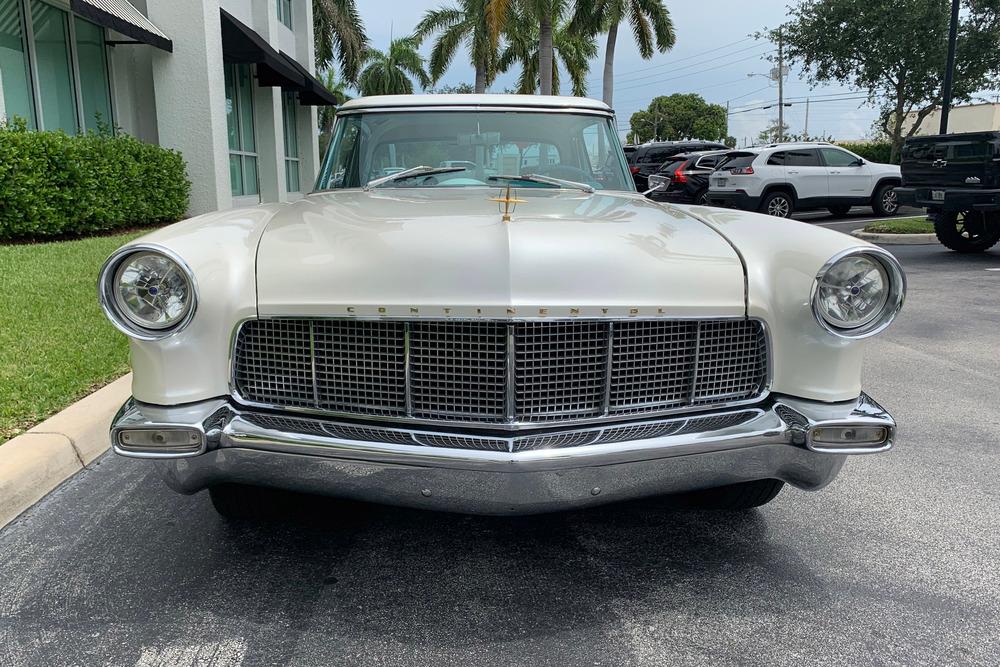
[873, 151]
[53, 184]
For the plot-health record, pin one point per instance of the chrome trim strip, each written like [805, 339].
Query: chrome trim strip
[608, 366]
[312, 360]
[407, 379]
[509, 425]
[510, 392]
[694, 371]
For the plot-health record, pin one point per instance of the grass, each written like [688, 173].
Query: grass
[55, 344]
[918, 225]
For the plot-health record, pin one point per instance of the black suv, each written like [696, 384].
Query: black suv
[956, 177]
[648, 158]
[683, 179]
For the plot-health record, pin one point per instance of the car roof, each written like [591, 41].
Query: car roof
[463, 100]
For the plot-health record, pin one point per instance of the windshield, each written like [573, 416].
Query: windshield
[570, 146]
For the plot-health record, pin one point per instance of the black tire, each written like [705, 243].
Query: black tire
[239, 502]
[701, 199]
[884, 201]
[742, 496]
[967, 231]
[779, 204]
[839, 210]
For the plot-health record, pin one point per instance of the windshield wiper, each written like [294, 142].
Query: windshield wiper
[547, 180]
[412, 172]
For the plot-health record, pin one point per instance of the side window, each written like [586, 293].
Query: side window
[539, 155]
[802, 158]
[776, 159]
[837, 158]
[592, 147]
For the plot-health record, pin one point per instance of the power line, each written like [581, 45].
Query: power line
[632, 79]
[695, 73]
[685, 58]
[786, 104]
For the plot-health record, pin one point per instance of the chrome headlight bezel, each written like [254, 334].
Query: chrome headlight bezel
[893, 302]
[107, 293]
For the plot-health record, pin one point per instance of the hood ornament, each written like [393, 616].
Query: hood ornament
[507, 200]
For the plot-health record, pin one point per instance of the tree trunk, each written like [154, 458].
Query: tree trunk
[480, 78]
[545, 54]
[609, 64]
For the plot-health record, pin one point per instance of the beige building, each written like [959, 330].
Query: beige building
[964, 118]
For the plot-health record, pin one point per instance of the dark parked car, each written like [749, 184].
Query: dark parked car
[956, 177]
[648, 158]
[683, 179]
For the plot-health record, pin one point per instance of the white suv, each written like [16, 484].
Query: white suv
[782, 178]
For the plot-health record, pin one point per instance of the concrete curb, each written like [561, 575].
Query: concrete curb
[42, 458]
[896, 239]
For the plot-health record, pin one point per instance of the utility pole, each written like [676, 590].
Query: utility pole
[781, 88]
[949, 71]
[805, 130]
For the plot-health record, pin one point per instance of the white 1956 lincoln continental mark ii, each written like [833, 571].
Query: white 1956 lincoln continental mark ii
[474, 311]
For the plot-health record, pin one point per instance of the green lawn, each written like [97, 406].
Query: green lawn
[918, 225]
[55, 344]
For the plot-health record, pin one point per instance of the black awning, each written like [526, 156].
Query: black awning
[313, 93]
[240, 44]
[121, 16]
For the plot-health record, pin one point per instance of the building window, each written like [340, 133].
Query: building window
[53, 68]
[239, 117]
[15, 77]
[290, 120]
[285, 12]
[92, 60]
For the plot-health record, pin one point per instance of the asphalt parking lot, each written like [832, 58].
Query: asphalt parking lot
[895, 563]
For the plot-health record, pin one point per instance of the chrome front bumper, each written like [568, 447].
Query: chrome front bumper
[505, 474]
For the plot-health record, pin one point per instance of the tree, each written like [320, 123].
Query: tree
[339, 33]
[680, 116]
[328, 114]
[649, 20]
[464, 24]
[461, 89]
[390, 72]
[543, 14]
[770, 134]
[895, 51]
[573, 49]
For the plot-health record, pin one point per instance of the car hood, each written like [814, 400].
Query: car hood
[447, 252]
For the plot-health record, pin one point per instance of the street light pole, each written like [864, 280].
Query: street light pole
[781, 89]
[949, 71]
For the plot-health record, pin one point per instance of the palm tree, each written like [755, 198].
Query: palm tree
[339, 31]
[465, 24]
[573, 49]
[389, 72]
[650, 22]
[327, 114]
[545, 14]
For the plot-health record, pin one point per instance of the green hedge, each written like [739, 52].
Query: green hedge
[873, 151]
[54, 184]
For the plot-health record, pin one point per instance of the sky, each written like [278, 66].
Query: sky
[713, 56]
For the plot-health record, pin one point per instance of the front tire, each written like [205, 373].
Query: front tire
[778, 204]
[967, 231]
[885, 202]
[742, 496]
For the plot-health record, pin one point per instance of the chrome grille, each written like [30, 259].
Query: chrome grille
[499, 372]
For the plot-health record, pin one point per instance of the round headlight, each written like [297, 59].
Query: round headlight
[147, 293]
[858, 293]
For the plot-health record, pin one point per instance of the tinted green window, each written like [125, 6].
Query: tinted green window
[15, 81]
[55, 79]
[290, 122]
[239, 117]
[94, 86]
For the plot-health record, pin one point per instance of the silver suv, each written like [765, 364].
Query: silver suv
[783, 178]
